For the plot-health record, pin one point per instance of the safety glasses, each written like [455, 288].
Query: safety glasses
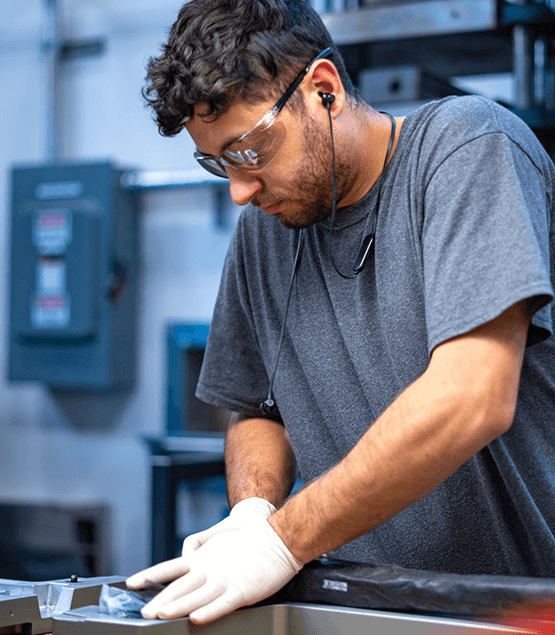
[256, 148]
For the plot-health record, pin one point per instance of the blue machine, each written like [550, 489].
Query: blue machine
[186, 414]
[73, 277]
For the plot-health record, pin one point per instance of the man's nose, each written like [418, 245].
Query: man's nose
[242, 186]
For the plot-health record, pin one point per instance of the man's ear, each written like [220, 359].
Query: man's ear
[323, 79]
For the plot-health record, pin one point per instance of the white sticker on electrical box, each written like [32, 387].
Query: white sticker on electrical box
[52, 231]
[51, 275]
[335, 585]
[50, 311]
[64, 189]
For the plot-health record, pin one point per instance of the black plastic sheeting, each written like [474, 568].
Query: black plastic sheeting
[381, 587]
[388, 587]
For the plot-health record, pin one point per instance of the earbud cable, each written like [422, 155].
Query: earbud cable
[367, 240]
[268, 406]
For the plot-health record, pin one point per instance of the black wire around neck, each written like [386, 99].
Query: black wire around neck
[268, 406]
[367, 240]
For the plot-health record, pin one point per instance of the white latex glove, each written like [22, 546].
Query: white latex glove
[242, 514]
[232, 569]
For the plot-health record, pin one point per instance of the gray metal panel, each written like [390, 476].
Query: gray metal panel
[449, 55]
[385, 84]
[22, 610]
[416, 19]
[280, 619]
[402, 84]
[143, 179]
[314, 620]
[35, 603]
[268, 620]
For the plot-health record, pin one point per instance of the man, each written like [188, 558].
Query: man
[404, 334]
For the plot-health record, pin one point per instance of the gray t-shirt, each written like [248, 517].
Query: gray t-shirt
[463, 233]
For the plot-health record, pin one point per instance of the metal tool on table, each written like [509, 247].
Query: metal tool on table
[29, 607]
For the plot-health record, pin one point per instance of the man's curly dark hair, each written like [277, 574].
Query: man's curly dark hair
[219, 50]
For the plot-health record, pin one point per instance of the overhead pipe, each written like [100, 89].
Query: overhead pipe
[51, 52]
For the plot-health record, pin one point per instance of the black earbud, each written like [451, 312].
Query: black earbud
[327, 99]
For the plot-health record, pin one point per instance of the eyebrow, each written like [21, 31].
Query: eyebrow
[227, 142]
[223, 147]
[230, 140]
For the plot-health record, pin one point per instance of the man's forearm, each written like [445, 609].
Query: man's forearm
[259, 461]
[395, 463]
[464, 400]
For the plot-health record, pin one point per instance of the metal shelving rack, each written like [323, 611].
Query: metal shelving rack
[449, 38]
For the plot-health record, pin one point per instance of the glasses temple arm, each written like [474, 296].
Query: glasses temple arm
[293, 87]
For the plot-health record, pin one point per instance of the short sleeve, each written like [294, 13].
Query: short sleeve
[233, 375]
[485, 239]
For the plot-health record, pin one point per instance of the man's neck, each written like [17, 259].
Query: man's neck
[366, 140]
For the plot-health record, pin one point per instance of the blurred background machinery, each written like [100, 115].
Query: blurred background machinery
[445, 39]
[46, 542]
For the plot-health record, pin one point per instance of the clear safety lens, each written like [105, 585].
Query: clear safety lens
[252, 151]
[255, 150]
[211, 165]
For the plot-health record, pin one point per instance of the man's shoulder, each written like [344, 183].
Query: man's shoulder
[437, 130]
[459, 120]
[467, 105]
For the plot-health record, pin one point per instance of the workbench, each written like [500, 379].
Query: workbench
[343, 599]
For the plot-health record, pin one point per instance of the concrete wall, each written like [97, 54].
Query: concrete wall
[85, 448]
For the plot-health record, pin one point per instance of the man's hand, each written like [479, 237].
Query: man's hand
[232, 569]
[241, 516]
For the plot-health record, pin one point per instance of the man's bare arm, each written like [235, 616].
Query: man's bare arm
[464, 400]
[259, 460]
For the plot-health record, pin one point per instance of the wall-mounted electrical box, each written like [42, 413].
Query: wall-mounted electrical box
[73, 277]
